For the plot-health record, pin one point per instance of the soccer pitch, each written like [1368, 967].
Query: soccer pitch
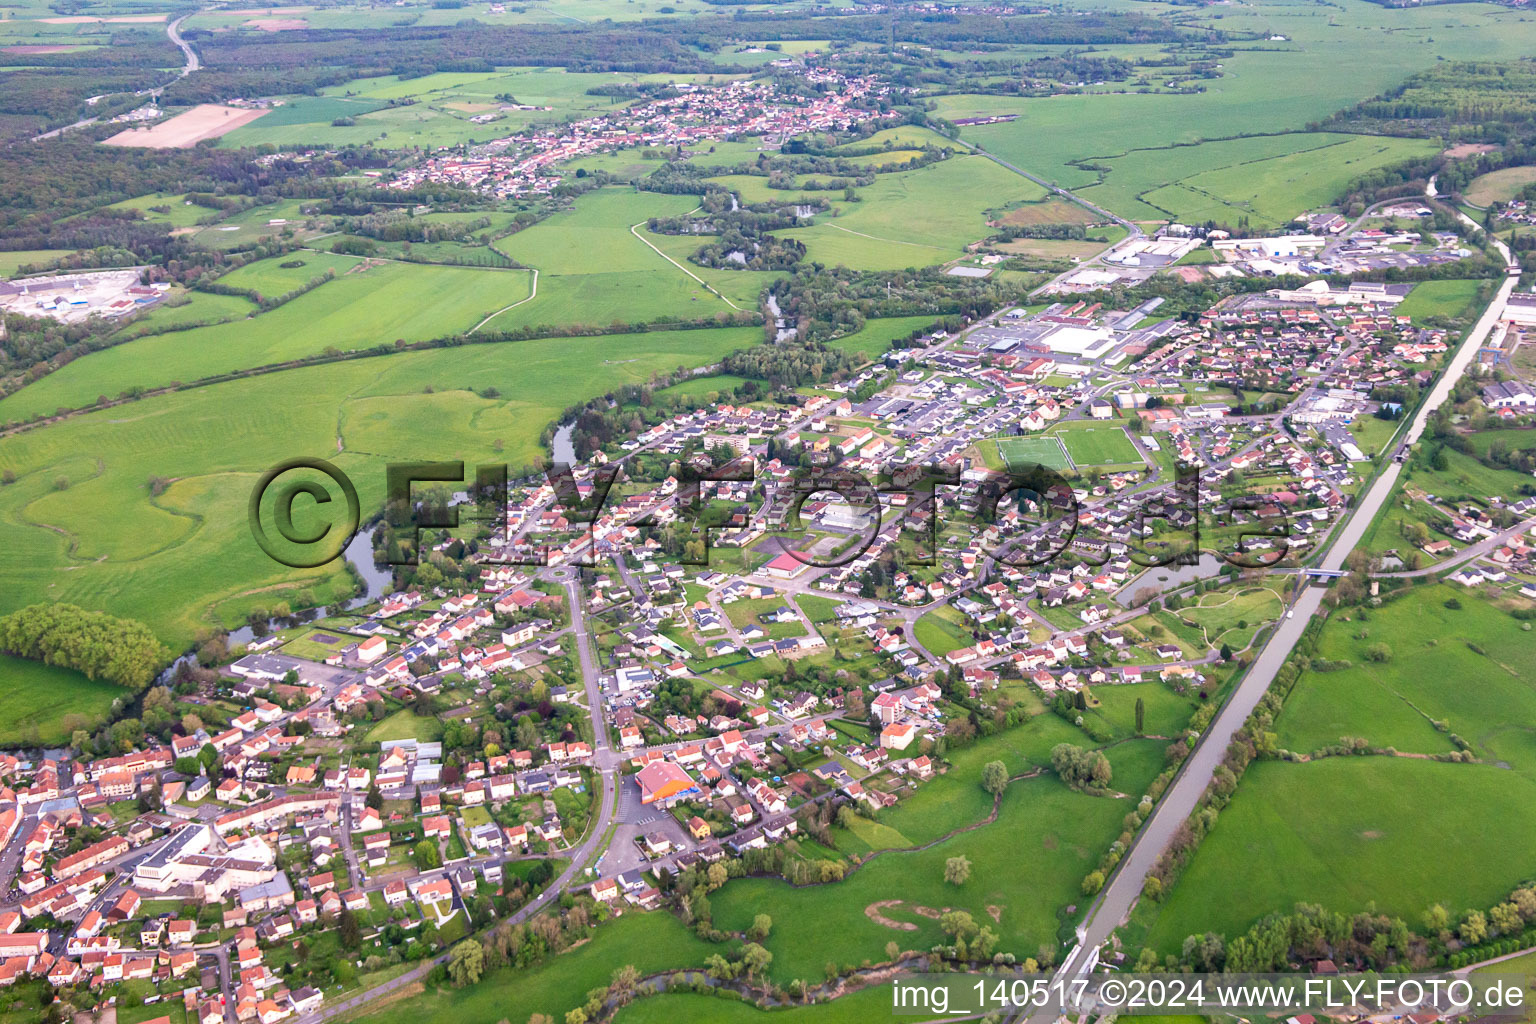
[1022, 452]
[1100, 446]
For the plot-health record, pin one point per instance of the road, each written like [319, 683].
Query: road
[190, 63]
[1119, 896]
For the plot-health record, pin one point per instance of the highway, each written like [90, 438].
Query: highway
[1119, 896]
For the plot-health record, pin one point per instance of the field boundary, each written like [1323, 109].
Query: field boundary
[533, 293]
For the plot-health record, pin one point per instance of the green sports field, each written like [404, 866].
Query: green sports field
[1098, 445]
[1020, 452]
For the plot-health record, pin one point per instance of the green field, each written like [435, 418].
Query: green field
[880, 232]
[1101, 445]
[874, 338]
[9, 261]
[1439, 298]
[359, 309]
[1499, 186]
[649, 942]
[858, 1007]
[1058, 833]
[1404, 832]
[942, 630]
[1033, 451]
[185, 558]
[1347, 832]
[35, 700]
[1333, 57]
[405, 725]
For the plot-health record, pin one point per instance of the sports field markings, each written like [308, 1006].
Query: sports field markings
[633, 229]
[533, 293]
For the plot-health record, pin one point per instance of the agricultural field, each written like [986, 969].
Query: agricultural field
[649, 942]
[9, 261]
[1343, 831]
[184, 559]
[1347, 832]
[879, 232]
[367, 304]
[1331, 58]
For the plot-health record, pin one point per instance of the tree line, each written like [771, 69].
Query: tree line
[101, 646]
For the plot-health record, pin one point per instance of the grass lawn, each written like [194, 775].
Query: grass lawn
[650, 942]
[36, 698]
[942, 631]
[1439, 298]
[405, 725]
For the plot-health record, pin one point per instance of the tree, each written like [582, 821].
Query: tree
[427, 856]
[958, 924]
[994, 777]
[1081, 769]
[957, 870]
[1437, 919]
[762, 924]
[1379, 652]
[1093, 882]
[755, 958]
[1474, 928]
[1141, 716]
[622, 985]
[1226, 651]
[347, 929]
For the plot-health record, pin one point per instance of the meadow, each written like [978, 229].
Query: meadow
[1348, 832]
[35, 700]
[857, 1007]
[873, 339]
[649, 942]
[1055, 836]
[9, 261]
[1499, 186]
[914, 218]
[183, 559]
[1429, 677]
